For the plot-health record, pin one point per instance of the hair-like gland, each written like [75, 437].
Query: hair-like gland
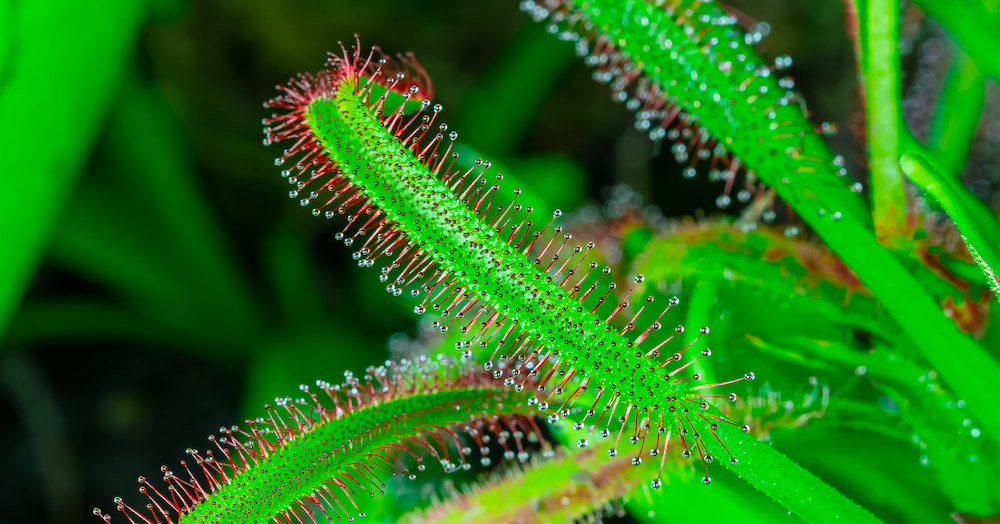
[318, 452]
[529, 294]
[693, 77]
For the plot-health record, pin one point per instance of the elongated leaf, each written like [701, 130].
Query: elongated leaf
[45, 144]
[317, 453]
[688, 55]
[983, 250]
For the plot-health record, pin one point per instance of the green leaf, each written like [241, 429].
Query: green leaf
[974, 28]
[343, 440]
[791, 158]
[571, 486]
[783, 480]
[43, 43]
[983, 249]
[957, 116]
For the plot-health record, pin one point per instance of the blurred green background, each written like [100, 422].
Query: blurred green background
[155, 282]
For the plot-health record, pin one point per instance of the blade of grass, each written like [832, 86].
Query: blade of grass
[49, 41]
[983, 251]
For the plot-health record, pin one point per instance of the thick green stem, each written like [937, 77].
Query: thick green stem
[783, 480]
[883, 118]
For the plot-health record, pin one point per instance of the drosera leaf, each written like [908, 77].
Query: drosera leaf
[785, 481]
[694, 80]
[730, 499]
[594, 486]
[694, 45]
[316, 454]
[983, 250]
[441, 235]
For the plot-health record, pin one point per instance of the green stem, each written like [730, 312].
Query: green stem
[783, 480]
[943, 190]
[972, 27]
[957, 114]
[883, 118]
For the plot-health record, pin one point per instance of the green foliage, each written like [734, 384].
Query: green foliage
[981, 240]
[872, 325]
[67, 121]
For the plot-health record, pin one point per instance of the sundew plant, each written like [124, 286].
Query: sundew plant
[814, 342]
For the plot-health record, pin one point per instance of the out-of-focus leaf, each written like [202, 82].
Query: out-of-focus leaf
[49, 128]
[958, 112]
[879, 472]
[805, 279]
[143, 229]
